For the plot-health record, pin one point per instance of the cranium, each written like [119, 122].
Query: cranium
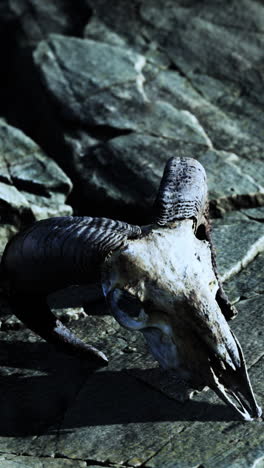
[160, 279]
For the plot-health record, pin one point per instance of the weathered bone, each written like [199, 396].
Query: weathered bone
[182, 193]
[168, 278]
[160, 280]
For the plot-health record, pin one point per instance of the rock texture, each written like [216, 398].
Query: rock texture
[100, 97]
[32, 186]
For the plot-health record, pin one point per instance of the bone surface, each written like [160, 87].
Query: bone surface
[169, 279]
[160, 279]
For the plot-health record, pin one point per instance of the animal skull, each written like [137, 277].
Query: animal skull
[164, 285]
[159, 279]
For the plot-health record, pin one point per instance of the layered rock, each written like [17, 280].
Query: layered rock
[120, 89]
[32, 186]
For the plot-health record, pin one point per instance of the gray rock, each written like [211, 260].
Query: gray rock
[231, 55]
[108, 89]
[102, 86]
[35, 19]
[256, 214]
[116, 82]
[230, 187]
[227, 132]
[246, 326]
[237, 243]
[32, 186]
[231, 120]
[249, 282]
[37, 385]
[98, 31]
[13, 461]
[214, 445]
[74, 70]
[211, 71]
[106, 428]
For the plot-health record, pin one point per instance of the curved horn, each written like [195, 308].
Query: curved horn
[182, 193]
[58, 252]
[55, 253]
[35, 313]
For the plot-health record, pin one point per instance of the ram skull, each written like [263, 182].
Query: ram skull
[160, 279]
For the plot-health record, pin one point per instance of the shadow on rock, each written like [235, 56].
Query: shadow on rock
[117, 398]
[41, 388]
[37, 385]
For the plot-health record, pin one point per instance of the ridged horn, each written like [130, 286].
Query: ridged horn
[182, 193]
[58, 252]
[52, 254]
[34, 312]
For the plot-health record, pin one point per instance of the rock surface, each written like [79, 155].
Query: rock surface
[32, 186]
[110, 94]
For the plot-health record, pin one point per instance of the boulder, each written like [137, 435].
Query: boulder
[32, 186]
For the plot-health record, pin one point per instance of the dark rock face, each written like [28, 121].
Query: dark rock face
[32, 186]
[138, 74]
[98, 95]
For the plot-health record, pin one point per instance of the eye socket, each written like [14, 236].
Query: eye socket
[128, 303]
[127, 309]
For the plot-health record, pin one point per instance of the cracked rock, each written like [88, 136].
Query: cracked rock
[103, 87]
[12, 461]
[247, 283]
[246, 326]
[231, 53]
[76, 70]
[97, 84]
[229, 185]
[114, 82]
[32, 186]
[238, 240]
